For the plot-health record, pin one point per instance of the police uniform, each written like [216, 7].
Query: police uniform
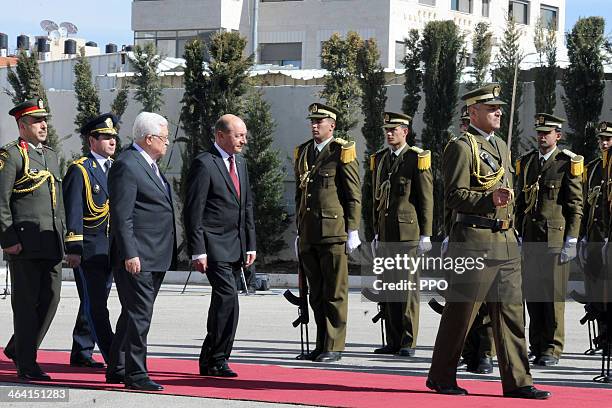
[549, 212]
[31, 214]
[87, 217]
[473, 167]
[403, 213]
[328, 203]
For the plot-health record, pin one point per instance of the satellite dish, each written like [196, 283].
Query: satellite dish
[62, 32]
[48, 25]
[55, 35]
[70, 28]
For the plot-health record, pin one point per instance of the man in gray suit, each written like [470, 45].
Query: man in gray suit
[143, 246]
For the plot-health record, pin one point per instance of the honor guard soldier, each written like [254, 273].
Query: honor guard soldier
[594, 228]
[31, 234]
[87, 216]
[328, 203]
[478, 190]
[403, 214]
[549, 212]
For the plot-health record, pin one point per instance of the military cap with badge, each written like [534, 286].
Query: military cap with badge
[34, 107]
[319, 111]
[105, 124]
[487, 95]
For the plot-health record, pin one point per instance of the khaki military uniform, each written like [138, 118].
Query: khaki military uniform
[328, 204]
[403, 211]
[473, 168]
[31, 214]
[549, 210]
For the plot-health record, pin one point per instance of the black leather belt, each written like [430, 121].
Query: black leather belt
[484, 222]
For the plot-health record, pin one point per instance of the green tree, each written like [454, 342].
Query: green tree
[373, 99]
[509, 58]
[583, 82]
[266, 174]
[481, 50]
[442, 54]
[545, 82]
[413, 78]
[146, 79]
[342, 91]
[88, 101]
[118, 108]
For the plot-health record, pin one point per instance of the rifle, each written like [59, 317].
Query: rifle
[301, 302]
[375, 297]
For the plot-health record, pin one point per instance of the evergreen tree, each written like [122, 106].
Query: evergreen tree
[413, 78]
[374, 97]
[442, 52]
[545, 83]
[481, 50]
[88, 101]
[146, 78]
[508, 57]
[342, 89]
[267, 175]
[583, 82]
[118, 107]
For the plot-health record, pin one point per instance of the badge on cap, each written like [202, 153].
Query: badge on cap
[96, 189]
[386, 117]
[41, 104]
[603, 126]
[109, 123]
[313, 108]
[496, 91]
[541, 120]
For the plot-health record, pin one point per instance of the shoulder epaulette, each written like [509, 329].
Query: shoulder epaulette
[372, 161]
[520, 160]
[576, 164]
[9, 145]
[349, 151]
[48, 147]
[296, 152]
[340, 141]
[415, 149]
[568, 153]
[80, 160]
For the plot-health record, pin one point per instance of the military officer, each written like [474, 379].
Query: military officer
[328, 203]
[87, 215]
[549, 211]
[478, 190]
[403, 214]
[31, 234]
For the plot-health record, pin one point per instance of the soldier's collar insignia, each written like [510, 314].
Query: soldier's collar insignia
[96, 188]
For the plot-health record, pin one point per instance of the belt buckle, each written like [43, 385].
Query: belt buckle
[502, 225]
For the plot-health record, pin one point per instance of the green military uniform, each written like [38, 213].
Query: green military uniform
[473, 167]
[31, 214]
[328, 205]
[549, 211]
[403, 212]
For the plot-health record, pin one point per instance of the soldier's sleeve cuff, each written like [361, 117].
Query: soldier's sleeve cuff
[9, 238]
[73, 237]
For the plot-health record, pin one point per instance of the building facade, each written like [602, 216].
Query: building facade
[290, 32]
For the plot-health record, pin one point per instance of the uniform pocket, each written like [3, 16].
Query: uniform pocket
[556, 233]
[551, 189]
[408, 226]
[29, 235]
[327, 177]
[332, 223]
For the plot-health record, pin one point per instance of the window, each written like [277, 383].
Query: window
[172, 43]
[281, 54]
[464, 6]
[485, 8]
[548, 15]
[519, 10]
[428, 2]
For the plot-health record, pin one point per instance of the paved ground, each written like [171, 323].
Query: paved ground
[265, 336]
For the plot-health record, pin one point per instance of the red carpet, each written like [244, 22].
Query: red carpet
[307, 386]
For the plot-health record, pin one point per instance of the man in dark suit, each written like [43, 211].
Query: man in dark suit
[143, 246]
[31, 234]
[87, 215]
[220, 234]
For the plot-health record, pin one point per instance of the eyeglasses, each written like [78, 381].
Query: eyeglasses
[164, 139]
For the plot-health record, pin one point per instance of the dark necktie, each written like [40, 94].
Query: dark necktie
[233, 175]
[542, 163]
[316, 152]
[107, 166]
[157, 173]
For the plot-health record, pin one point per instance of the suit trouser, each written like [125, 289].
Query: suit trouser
[500, 284]
[36, 286]
[326, 269]
[137, 294]
[223, 313]
[92, 325]
[545, 280]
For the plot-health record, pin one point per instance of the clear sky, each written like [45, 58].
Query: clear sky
[105, 21]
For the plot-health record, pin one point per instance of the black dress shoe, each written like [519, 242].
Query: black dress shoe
[11, 357]
[34, 375]
[220, 370]
[386, 350]
[445, 389]
[546, 361]
[115, 379]
[406, 352]
[310, 356]
[144, 385]
[528, 392]
[463, 363]
[484, 366]
[87, 362]
[328, 357]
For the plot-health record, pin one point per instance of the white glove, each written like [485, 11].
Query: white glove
[353, 241]
[424, 245]
[604, 252]
[374, 245]
[296, 246]
[444, 247]
[582, 251]
[569, 251]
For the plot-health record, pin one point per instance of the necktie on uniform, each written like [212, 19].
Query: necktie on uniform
[107, 166]
[542, 163]
[157, 173]
[233, 175]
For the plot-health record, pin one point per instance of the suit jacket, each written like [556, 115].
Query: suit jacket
[558, 210]
[31, 218]
[86, 202]
[464, 194]
[217, 222]
[142, 222]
